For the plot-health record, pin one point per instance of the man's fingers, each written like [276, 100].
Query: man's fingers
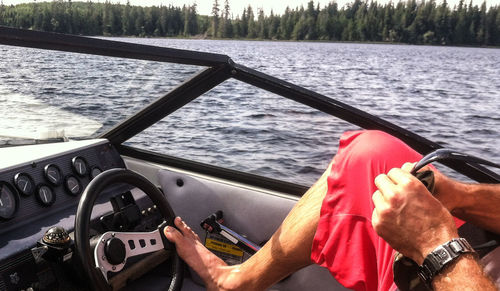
[378, 199]
[375, 220]
[408, 167]
[398, 176]
[384, 184]
[380, 206]
[380, 203]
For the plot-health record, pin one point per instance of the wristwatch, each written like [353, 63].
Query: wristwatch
[441, 256]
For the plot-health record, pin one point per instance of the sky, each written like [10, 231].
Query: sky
[237, 6]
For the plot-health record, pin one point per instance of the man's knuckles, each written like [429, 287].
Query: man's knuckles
[407, 167]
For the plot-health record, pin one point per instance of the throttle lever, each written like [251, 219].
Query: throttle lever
[212, 225]
[427, 177]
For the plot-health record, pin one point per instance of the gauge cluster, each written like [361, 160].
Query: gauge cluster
[42, 186]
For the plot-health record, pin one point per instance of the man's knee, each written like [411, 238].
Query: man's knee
[371, 146]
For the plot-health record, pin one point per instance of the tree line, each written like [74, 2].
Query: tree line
[423, 22]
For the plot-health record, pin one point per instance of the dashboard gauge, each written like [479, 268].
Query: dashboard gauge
[94, 172]
[9, 201]
[45, 195]
[79, 166]
[72, 185]
[53, 174]
[24, 184]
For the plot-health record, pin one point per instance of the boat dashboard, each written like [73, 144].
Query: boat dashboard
[40, 188]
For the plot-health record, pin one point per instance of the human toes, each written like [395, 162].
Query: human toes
[185, 229]
[172, 234]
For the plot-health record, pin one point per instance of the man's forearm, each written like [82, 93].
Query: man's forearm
[479, 204]
[464, 274]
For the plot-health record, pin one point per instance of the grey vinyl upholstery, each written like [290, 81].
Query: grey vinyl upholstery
[252, 213]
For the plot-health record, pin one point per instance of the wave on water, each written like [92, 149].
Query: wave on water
[26, 117]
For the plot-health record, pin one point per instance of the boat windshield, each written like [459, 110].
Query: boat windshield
[55, 96]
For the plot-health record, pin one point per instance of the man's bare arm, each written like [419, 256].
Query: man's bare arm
[478, 204]
[474, 203]
[464, 273]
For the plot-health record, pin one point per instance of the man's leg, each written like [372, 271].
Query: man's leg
[288, 250]
[345, 234]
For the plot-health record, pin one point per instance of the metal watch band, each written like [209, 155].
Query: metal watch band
[442, 256]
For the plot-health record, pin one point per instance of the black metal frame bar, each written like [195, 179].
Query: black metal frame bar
[102, 47]
[222, 68]
[357, 117]
[169, 103]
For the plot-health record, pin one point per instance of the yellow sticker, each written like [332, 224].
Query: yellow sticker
[223, 247]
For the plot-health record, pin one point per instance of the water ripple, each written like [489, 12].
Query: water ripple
[449, 95]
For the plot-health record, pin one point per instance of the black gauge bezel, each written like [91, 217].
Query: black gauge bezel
[16, 199]
[92, 169]
[73, 165]
[40, 200]
[21, 191]
[46, 168]
[68, 190]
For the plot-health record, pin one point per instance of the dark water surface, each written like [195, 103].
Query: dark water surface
[447, 94]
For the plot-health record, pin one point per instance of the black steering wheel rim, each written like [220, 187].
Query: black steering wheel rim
[83, 216]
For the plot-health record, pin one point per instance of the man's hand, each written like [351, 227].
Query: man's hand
[447, 190]
[408, 217]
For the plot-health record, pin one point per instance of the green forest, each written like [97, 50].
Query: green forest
[422, 22]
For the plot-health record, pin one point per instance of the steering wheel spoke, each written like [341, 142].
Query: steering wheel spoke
[114, 248]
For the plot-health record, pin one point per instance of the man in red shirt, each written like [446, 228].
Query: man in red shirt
[334, 219]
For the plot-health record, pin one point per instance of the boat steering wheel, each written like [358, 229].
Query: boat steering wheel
[113, 248]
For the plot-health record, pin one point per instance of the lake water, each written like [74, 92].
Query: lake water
[447, 94]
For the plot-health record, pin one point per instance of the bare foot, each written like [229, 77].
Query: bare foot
[212, 270]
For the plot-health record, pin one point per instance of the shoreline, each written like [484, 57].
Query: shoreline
[290, 40]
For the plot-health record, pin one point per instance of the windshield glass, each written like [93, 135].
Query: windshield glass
[49, 94]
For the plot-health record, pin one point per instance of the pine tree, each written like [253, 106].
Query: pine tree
[127, 20]
[225, 26]
[215, 19]
[252, 30]
[482, 34]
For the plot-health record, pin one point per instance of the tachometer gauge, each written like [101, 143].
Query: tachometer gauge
[94, 172]
[24, 184]
[72, 185]
[9, 201]
[79, 165]
[53, 174]
[45, 195]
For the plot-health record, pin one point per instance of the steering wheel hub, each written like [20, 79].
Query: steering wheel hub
[115, 251]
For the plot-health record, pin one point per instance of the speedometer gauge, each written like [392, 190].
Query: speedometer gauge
[72, 185]
[45, 195]
[9, 201]
[79, 165]
[24, 183]
[53, 174]
[94, 172]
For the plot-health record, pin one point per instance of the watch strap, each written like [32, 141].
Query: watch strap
[442, 256]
